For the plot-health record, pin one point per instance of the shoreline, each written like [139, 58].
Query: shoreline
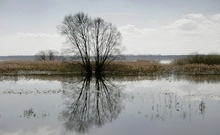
[117, 68]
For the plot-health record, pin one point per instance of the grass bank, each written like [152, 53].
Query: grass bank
[116, 68]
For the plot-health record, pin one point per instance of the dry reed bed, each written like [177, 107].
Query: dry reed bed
[27, 66]
[138, 67]
[116, 68]
[9, 66]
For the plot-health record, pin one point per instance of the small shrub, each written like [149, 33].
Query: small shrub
[197, 59]
[210, 59]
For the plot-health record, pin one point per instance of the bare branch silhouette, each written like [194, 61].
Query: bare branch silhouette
[92, 39]
[94, 103]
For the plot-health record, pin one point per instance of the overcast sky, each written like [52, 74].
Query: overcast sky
[147, 26]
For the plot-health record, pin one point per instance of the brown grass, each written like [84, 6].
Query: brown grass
[115, 68]
[136, 67]
[38, 66]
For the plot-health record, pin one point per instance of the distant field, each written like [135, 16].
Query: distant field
[139, 67]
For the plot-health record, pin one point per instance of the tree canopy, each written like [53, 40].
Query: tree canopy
[93, 40]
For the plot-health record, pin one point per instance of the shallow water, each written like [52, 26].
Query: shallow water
[152, 105]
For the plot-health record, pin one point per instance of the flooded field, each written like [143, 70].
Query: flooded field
[153, 105]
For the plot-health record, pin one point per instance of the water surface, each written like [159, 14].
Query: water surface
[168, 105]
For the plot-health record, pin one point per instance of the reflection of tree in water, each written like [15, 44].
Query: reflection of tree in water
[90, 102]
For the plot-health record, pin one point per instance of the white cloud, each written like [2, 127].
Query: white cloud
[215, 18]
[29, 43]
[195, 17]
[130, 29]
[184, 24]
[191, 33]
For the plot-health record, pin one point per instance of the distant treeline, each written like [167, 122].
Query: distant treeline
[123, 57]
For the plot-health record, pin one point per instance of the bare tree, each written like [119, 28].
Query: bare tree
[41, 56]
[106, 43]
[77, 30]
[50, 55]
[92, 38]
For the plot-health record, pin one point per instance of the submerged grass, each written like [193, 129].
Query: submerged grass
[140, 67]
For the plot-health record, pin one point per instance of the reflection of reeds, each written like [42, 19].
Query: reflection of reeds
[139, 67]
[168, 105]
[197, 69]
[28, 113]
[67, 78]
[199, 78]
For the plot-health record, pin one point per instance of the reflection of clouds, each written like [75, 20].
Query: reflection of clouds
[164, 105]
[172, 98]
[147, 98]
[27, 86]
[40, 131]
[198, 91]
[179, 86]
